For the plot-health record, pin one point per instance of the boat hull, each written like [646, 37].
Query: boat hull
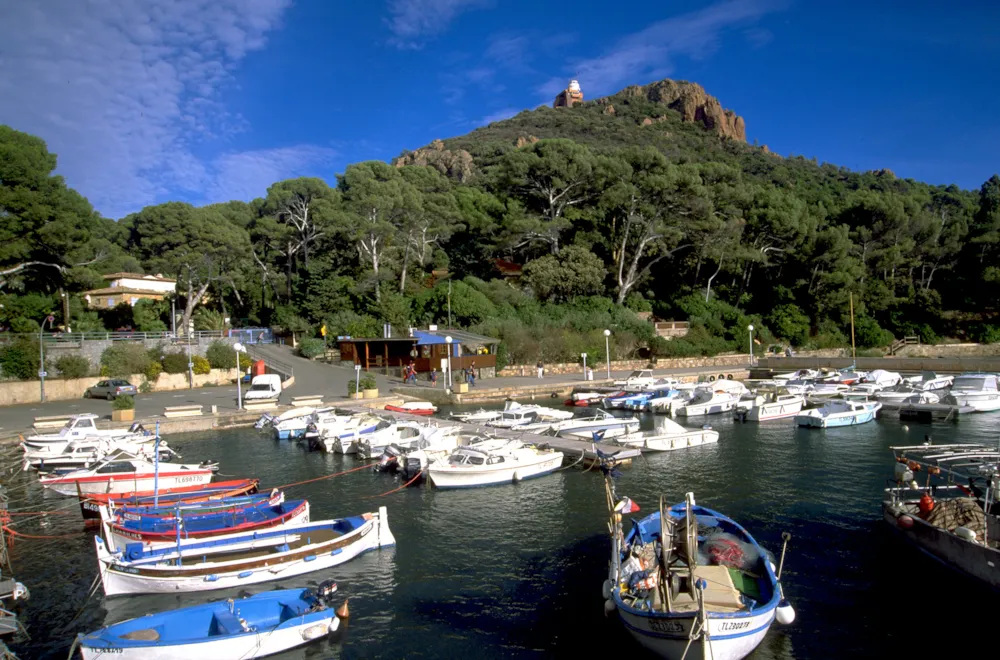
[712, 408]
[672, 442]
[90, 506]
[447, 477]
[731, 638]
[125, 484]
[776, 410]
[835, 420]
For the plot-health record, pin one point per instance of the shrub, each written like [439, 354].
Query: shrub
[208, 319]
[869, 334]
[123, 360]
[153, 371]
[311, 347]
[368, 382]
[145, 387]
[19, 359]
[986, 334]
[503, 356]
[201, 365]
[175, 363]
[790, 323]
[73, 366]
[123, 402]
[352, 387]
[222, 356]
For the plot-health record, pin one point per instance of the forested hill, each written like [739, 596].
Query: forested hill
[549, 226]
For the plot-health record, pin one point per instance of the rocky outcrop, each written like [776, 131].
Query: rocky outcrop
[455, 164]
[523, 141]
[610, 110]
[694, 104]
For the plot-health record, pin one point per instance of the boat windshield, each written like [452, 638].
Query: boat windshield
[457, 459]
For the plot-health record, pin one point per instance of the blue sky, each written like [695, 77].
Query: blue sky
[210, 100]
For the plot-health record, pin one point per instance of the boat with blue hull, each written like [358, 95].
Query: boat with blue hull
[838, 412]
[688, 581]
[91, 504]
[254, 626]
[237, 560]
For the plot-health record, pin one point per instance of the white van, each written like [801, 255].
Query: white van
[267, 386]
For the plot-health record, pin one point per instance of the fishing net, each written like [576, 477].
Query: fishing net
[727, 550]
[958, 512]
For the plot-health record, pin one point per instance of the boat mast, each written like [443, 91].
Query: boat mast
[854, 354]
[156, 462]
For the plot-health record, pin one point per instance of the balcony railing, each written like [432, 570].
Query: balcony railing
[77, 338]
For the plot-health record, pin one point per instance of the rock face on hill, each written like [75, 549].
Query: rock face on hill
[455, 164]
[694, 104]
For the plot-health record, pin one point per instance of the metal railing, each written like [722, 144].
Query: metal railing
[273, 364]
[77, 338]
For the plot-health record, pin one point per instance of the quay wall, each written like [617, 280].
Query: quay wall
[56, 389]
[736, 360]
[945, 365]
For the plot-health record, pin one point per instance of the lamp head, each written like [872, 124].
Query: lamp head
[607, 333]
[240, 348]
[750, 327]
[448, 339]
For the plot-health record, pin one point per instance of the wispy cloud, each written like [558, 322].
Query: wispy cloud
[127, 92]
[652, 52]
[413, 21]
[248, 174]
[499, 115]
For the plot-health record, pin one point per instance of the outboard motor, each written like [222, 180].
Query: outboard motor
[265, 420]
[137, 428]
[325, 591]
[209, 465]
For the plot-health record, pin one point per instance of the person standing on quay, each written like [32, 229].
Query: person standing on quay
[434, 377]
[541, 368]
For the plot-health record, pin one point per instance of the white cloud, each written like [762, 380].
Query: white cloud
[412, 20]
[499, 115]
[248, 174]
[125, 90]
[651, 52]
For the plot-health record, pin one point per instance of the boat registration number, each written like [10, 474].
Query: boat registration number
[735, 625]
[659, 625]
[185, 480]
[110, 650]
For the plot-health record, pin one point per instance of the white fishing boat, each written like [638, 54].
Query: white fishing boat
[78, 426]
[401, 433]
[86, 451]
[838, 413]
[667, 436]
[598, 425]
[774, 406]
[250, 626]
[241, 559]
[908, 394]
[978, 391]
[928, 381]
[492, 462]
[123, 473]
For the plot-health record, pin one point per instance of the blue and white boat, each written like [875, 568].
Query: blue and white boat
[291, 423]
[641, 401]
[237, 560]
[838, 412]
[236, 629]
[617, 401]
[688, 581]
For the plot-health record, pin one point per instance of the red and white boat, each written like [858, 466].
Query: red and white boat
[124, 473]
[414, 408]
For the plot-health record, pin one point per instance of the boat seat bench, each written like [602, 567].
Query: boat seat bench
[225, 623]
[720, 594]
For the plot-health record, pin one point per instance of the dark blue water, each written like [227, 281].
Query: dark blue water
[516, 571]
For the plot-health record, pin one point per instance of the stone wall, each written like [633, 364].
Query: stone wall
[29, 391]
[949, 350]
[629, 365]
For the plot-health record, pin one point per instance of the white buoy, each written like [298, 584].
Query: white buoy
[905, 427]
[609, 607]
[785, 614]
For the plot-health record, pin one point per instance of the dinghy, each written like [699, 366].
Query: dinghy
[236, 629]
[237, 560]
[90, 505]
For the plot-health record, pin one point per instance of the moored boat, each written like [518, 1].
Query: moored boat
[667, 436]
[81, 452]
[774, 406]
[235, 560]
[253, 626]
[839, 413]
[981, 392]
[599, 425]
[710, 400]
[123, 473]
[414, 408]
[78, 426]
[493, 462]
[90, 505]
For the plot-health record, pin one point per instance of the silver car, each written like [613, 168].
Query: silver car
[110, 389]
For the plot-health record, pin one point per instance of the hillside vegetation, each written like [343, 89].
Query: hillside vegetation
[612, 206]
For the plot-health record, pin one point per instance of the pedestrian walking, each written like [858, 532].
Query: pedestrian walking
[541, 368]
[434, 377]
[472, 374]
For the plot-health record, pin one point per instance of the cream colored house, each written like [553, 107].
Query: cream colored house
[129, 288]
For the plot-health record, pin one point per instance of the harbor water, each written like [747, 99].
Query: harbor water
[515, 571]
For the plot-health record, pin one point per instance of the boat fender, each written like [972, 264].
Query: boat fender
[905, 522]
[902, 472]
[315, 631]
[606, 590]
[926, 505]
[554, 395]
[785, 614]
[966, 534]
[609, 607]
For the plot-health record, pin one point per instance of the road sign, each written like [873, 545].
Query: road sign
[190, 365]
[42, 374]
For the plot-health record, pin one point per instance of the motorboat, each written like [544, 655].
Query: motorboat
[637, 380]
[124, 473]
[876, 381]
[952, 516]
[838, 412]
[668, 405]
[332, 423]
[480, 416]
[688, 581]
[543, 413]
[586, 398]
[667, 436]
[616, 401]
[908, 394]
[292, 423]
[414, 461]
[719, 397]
[82, 452]
[799, 375]
[663, 398]
[250, 626]
[90, 505]
[492, 462]
[510, 419]
[341, 435]
[928, 381]
[401, 433]
[79, 426]
[978, 391]
[240, 559]
[774, 405]
[598, 426]
[424, 408]
[162, 525]
[828, 390]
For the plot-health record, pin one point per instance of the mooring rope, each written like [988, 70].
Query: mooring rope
[394, 490]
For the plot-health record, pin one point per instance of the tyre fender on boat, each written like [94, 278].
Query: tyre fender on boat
[609, 607]
[606, 590]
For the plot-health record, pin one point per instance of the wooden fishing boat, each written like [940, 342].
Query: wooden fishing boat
[154, 529]
[90, 504]
[124, 473]
[237, 560]
[235, 629]
[674, 603]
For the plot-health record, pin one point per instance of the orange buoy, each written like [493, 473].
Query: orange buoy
[343, 612]
[926, 505]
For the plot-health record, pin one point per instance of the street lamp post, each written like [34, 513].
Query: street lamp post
[607, 350]
[584, 356]
[41, 354]
[448, 340]
[357, 378]
[750, 329]
[190, 363]
[238, 347]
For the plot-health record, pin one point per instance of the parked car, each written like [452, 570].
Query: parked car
[110, 389]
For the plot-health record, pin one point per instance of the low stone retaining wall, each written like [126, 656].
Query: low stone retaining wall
[629, 365]
[949, 350]
[29, 391]
[948, 365]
